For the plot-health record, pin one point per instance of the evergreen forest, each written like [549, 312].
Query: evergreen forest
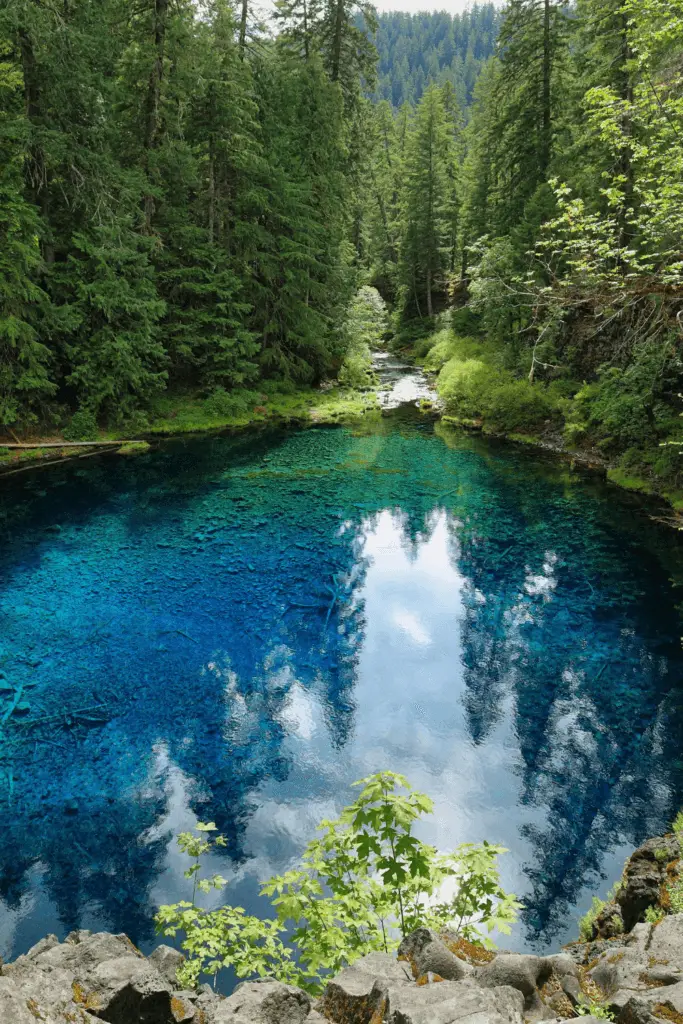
[196, 204]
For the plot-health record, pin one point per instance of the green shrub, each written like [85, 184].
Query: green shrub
[592, 1009]
[514, 404]
[82, 427]
[363, 882]
[230, 403]
[472, 389]
[588, 920]
[442, 348]
[465, 321]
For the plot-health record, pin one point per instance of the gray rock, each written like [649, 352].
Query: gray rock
[639, 936]
[666, 942]
[348, 1004]
[562, 965]
[643, 877]
[85, 954]
[448, 1001]
[438, 959]
[40, 947]
[126, 990]
[27, 995]
[413, 944]
[167, 961]
[266, 1002]
[571, 987]
[364, 988]
[640, 1008]
[525, 973]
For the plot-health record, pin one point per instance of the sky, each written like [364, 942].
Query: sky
[452, 6]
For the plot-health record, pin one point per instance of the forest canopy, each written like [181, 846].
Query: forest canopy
[192, 204]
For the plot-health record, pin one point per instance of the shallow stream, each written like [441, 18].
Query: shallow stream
[237, 628]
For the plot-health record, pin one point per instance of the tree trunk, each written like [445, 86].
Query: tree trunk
[35, 167]
[243, 27]
[625, 89]
[337, 40]
[546, 115]
[429, 293]
[153, 101]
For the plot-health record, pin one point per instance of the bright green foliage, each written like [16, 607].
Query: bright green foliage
[597, 1010]
[588, 919]
[364, 881]
[365, 324]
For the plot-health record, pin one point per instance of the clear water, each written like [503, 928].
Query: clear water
[237, 629]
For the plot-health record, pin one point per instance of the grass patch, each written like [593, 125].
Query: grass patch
[629, 481]
[189, 415]
[133, 448]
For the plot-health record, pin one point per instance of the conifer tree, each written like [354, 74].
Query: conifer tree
[425, 201]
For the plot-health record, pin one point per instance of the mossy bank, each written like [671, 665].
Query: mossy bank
[173, 416]
[500, 390]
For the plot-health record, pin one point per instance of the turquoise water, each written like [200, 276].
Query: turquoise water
[237, 629]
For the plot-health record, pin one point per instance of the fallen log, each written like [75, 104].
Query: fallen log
[68, 444]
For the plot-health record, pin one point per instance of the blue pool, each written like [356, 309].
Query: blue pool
[238, 628]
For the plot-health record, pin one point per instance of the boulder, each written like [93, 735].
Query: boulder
[167, 961]
[436, 958]
[27, 995]
[365, 988]
[644, 874]
[126, 989]
[413, 944]
[666, 942]
[263, 1002]
[448, 1001]
[666, 1004]
[525, 973]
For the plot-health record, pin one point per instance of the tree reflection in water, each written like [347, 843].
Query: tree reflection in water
[212, 602]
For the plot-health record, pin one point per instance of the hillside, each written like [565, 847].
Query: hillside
[418, 49]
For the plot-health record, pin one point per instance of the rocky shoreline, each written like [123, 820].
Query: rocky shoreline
[628, 970]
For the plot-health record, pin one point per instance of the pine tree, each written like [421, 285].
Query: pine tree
[425, 201]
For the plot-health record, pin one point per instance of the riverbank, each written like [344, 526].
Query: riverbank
[479, 392]
[187, 415]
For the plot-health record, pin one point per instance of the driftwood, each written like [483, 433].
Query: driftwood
[68, 444]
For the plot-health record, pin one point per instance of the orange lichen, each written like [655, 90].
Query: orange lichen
[79, 993]
[470, 951]
[378, 1015]
[34, 1009]
[429, 978]
[668, 1013]
[615, 958]
[178, 1008]
[408, 958]
[645, 979]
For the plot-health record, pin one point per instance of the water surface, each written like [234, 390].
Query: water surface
[238, 628]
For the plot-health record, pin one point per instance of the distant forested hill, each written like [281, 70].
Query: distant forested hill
[417, 49]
